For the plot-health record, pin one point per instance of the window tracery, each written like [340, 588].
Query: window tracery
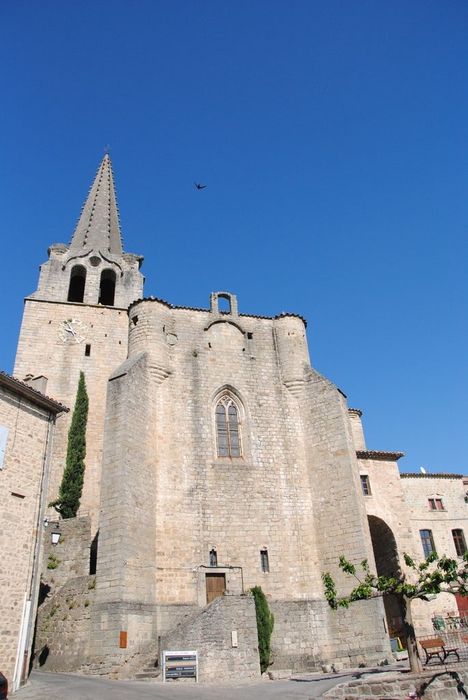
[228, 435]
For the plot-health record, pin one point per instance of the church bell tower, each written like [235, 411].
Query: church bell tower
[76, 321]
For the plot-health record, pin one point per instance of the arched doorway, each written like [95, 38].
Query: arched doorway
[387, 564]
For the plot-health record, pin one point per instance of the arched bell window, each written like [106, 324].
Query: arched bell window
[77, 284]
[228, 435]
[107, 288]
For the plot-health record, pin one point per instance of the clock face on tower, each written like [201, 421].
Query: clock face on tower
[72, 331]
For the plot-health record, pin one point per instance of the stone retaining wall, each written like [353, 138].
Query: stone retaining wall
[307, 637]
[437, 684]
[63, 627]
[211, 635]
[70, 557]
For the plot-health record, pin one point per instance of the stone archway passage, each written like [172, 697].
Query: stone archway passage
[387, 564]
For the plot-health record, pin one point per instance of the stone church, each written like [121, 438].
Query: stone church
[217, 459]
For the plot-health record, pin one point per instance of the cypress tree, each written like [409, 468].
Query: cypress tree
[71, 487]
[265, 624]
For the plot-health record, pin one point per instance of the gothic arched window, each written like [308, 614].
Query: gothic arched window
[228, 438]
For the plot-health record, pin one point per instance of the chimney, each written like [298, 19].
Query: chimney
[38, 383]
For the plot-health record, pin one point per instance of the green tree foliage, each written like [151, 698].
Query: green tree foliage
[265, 624]
[420, 582]
[68, 502]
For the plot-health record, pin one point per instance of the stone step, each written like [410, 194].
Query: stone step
[148, 673]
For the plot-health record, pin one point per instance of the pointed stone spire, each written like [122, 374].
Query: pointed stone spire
[98, 228]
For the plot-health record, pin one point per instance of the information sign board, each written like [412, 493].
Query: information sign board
[180, 664]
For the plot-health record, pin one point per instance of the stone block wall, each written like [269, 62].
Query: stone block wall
[307, 635]
[70, 557]
[162, 474]
[436, 684]
[418, 489]
[66, 596]
[63, 627]
[357, 428]
[402, 503]
[45, 348]
[54, 277]
[210, 633]
[22, 480]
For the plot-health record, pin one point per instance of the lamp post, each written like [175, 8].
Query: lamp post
[55, 535]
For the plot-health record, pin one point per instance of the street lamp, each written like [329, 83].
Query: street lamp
[55, 535]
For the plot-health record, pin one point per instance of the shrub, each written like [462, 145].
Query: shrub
[265, 624]
[52, 562]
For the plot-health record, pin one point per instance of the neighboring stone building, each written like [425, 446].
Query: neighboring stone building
[438, 516]
[217, 459]
[27, 422]
[413, 513]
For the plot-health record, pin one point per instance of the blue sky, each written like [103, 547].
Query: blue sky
[333, 138]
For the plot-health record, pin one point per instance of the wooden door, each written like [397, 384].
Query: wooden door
[215, 586]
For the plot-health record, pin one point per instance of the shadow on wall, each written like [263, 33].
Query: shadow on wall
[93, 552]
[42, 658]
[453, 674]
[44, 590]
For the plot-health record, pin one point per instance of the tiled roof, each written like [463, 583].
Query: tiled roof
[378, 454]
[26, 390]
[440, 475]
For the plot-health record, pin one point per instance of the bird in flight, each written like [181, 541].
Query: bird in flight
[199, 186]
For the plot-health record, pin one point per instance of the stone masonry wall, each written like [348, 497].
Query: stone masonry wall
[20, 489]
[45, 348]
[436, 684]
[237, 506]
[126, 572]
[307, 635]
[417, 489]
[163, 476]
[340, 520]
[210, 634]
[63, 626]
[385, 507]
[66, 595]
[54, 276]
[69, 558]
[402, 504]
